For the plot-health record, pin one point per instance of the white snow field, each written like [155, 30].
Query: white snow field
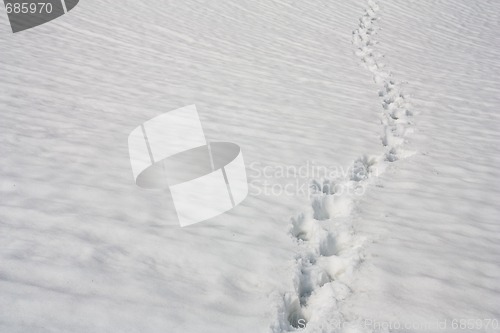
[397, 100]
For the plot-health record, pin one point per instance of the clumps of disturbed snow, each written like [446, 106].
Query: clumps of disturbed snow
[329, 250]
[396, 107]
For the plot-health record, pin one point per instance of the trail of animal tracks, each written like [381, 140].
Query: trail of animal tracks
[329, 249]
[400, 98]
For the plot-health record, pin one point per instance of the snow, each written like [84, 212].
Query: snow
[398, 98]
[436, 251]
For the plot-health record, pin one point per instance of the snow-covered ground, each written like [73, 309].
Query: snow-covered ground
[397, 100]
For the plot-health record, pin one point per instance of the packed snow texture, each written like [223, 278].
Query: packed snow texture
[402, 95]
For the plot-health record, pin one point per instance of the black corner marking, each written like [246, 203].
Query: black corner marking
[70, 4]
[26, 14]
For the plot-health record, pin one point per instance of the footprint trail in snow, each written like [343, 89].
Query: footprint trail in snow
[329, 250]
[396, 115]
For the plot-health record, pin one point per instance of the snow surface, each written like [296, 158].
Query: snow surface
[402, 96]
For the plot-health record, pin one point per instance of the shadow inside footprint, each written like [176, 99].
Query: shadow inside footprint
[301, 227]
[328, 246]
[362, 168]
[320, 210]
[328, 187]
[296, 316]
